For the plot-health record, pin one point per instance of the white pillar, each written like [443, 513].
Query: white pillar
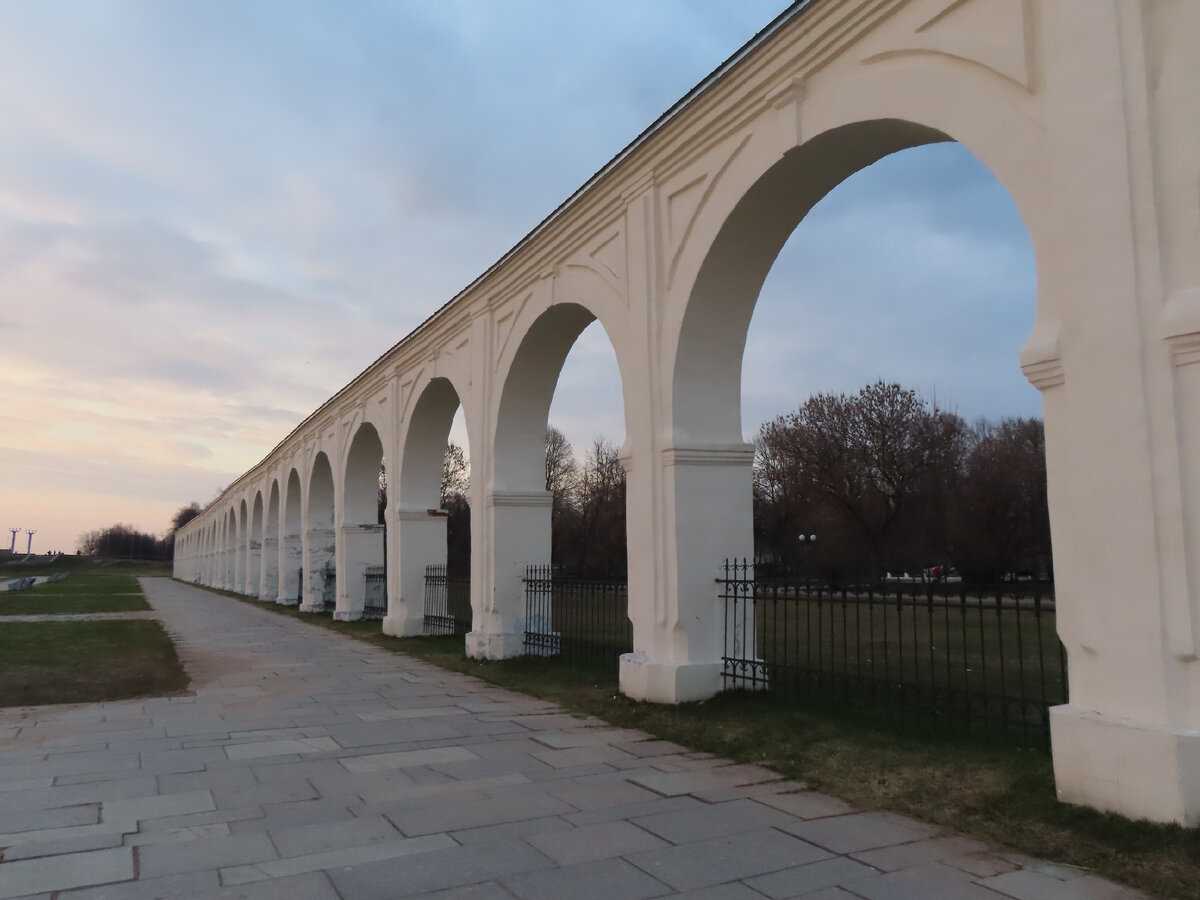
[321, 549]
[520, 529]
[420, 541]
[1121, 415]
[291, 563]
[253, 568]
[268, 584]
[360, 546]
[678, 619]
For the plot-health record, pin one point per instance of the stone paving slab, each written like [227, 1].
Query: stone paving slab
[304, 764]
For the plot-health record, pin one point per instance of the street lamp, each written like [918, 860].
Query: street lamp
[806, 540]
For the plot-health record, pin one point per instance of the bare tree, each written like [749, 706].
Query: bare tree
[876, 460]
[455, 499]
[1001, 520]
[600, 506]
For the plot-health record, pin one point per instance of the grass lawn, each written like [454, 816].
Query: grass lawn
[81, 662]
[85, 592]
[1001, 795]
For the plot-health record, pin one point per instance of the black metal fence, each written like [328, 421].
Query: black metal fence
[447, 601]
[575, 618]
[981, 657]
[375, 600]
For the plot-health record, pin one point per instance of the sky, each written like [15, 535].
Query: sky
[214, 214]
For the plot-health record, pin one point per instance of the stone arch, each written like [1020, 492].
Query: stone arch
[321, 547]
[515, 528]
[418, 521]
[361, 535]
[529, 376]
[837, 127]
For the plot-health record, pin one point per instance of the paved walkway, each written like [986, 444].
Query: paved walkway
[308, 765]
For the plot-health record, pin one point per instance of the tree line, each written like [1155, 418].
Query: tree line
[884, 480]
[888, 482]
[122, 541]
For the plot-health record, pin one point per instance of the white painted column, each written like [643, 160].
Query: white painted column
[520, 527]
[253, 568]
[362, 546]
[321, 548]
[1121, 419]
[291, 562]
[678, 619]
[268, 584]
[420, 541]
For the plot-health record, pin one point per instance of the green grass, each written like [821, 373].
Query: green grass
[82, 662]
[84, 592]
[997, 794]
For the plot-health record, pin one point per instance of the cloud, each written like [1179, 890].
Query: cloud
[213, 215]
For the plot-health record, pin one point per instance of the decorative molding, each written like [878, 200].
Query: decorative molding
[419, 515]
[513, 499]
[738, 455]
[361, 529]
[1181, 326]
[1041, 358]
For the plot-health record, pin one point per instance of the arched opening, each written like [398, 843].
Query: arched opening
[549, 595]
[916, 271]
[291, 580]
[432, 519]
[254, 562]
[320, 584]
[270, 548]
[363, 530]
[880, 463]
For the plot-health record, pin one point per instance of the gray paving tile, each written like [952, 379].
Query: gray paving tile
[860, 831]
[60, 873]
[901, 856]
[339, 858]
[492, 811]
[632, 810]
[807, 804]
[438, 870]
[568, 847]
[132, 810]
[804, 880]
[192, 884]
[488, 890]
[732, 858]
[1030, 885]
[53, 846]
[601, 793]
[301, 840]
[206, 853]
[921, 883]
[600, 880]
[506, 831]
[698, 824]
[260, 794]
[310, 886]
[733, 890]
[55, 817]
